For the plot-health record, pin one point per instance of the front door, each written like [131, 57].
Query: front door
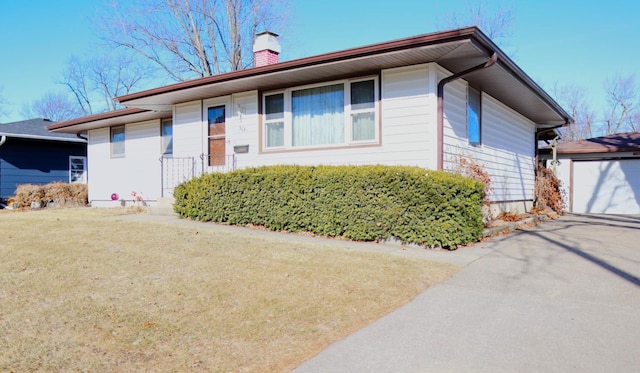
[217, 138]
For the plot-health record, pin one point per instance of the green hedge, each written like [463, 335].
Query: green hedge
[365, 203]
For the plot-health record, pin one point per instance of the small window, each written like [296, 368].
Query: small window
[117, 142]
[274, 120]
[363, 114]
[474, 117]
[167, 136]
[77, 169]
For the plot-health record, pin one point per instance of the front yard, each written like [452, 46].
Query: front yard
[90, 290]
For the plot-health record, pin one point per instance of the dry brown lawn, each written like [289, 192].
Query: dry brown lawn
[89, 290]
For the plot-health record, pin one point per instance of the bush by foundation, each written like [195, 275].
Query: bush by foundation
[51, 195]
[365, 203]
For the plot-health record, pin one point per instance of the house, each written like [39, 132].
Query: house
[29, 154]
[420, 101]
[599, 175]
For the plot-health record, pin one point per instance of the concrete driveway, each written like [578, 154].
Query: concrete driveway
[560, 297]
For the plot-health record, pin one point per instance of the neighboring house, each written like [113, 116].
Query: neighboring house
[377, 104]
[29, 154]
[599, 175]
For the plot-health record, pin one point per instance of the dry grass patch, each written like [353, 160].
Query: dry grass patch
[87, 290]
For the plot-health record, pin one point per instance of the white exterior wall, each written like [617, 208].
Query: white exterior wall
[188, 129]
[507, 147]
[407, 115]
[138, 170]
[408, 127]
[242, 128]
[563, 172]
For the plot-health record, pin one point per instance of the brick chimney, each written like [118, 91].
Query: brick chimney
[266, 49]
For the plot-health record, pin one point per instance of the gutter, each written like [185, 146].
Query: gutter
[440, 130]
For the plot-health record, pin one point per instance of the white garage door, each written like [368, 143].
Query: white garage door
[606, 187]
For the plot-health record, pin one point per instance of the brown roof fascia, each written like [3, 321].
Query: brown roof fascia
[617, 143]
[390, 46]
[95, 118]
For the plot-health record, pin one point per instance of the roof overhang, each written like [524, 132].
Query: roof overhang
[615, 143]
[455, 50]
[45, 138]
[107, 119]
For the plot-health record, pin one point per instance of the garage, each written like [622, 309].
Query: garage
[606, 186]
[600, 175]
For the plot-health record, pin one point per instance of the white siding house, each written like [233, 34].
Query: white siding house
[376, 104]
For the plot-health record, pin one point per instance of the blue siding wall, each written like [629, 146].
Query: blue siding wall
[25, 161]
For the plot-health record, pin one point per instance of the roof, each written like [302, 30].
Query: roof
[35, 129]
[616, 143]
[455, 50]
[106, 119]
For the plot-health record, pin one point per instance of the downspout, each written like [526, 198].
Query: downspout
[78, 135]
[440, 134]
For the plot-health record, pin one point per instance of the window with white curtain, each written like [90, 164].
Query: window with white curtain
[339, 113]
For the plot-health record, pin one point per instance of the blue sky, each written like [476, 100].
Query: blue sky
[565, 42]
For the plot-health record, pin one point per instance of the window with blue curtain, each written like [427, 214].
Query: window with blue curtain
[474, 116]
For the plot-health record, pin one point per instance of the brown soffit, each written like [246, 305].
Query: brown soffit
[106, 119]
[412, 42]
[455, 50]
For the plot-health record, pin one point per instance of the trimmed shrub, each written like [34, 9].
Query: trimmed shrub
[367, 203]
[56, 194]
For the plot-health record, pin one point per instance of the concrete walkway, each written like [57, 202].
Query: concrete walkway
[560, 297]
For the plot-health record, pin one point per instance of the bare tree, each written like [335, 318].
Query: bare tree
[54, 106]
[3, 102]
[497, 22]
[94, 82]
[573, 99]
[623, 97]
[75, 78]
[192, 38]
[116, 76]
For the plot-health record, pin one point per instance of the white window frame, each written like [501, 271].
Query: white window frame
[166, 122]
[83, 177]
[113, 143]
[477, 92]
[288, 116]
